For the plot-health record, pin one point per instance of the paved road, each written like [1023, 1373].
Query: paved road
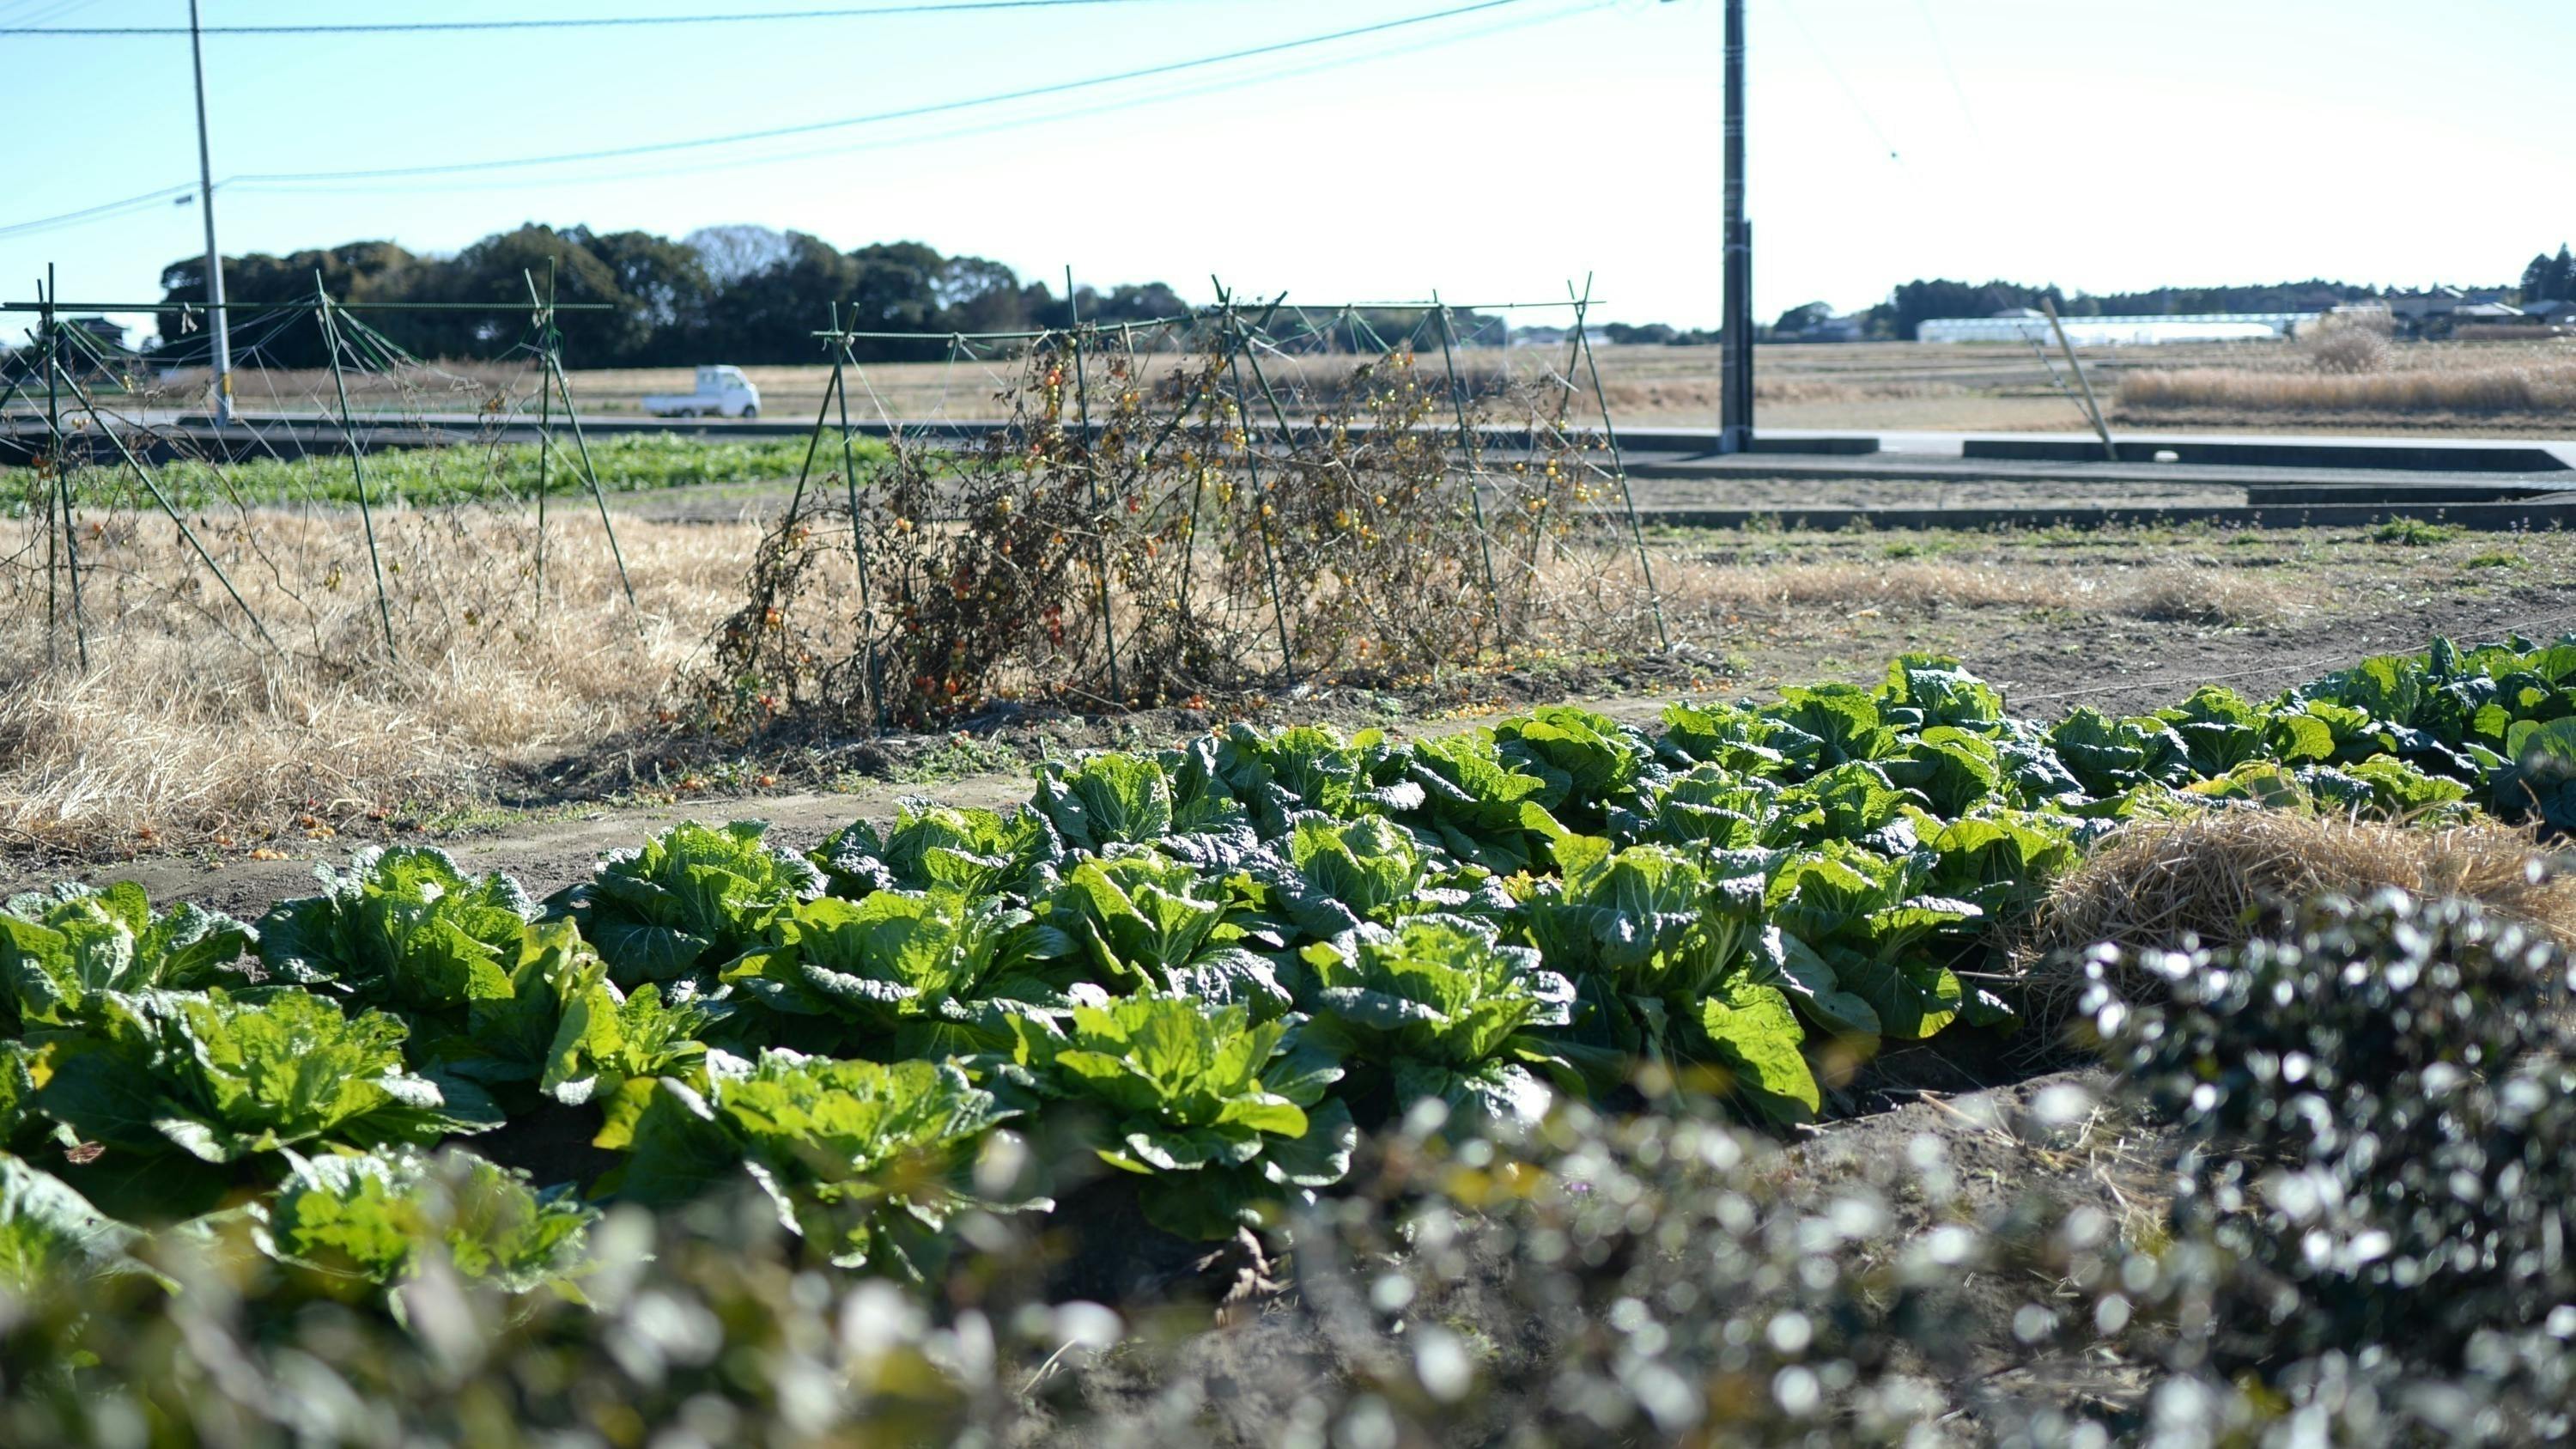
[1905, 443]
[1950, 468]
[1679, 467]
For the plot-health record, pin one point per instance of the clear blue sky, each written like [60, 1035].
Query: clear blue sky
[2099, 145]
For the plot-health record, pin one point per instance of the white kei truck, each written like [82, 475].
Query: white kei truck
[723, 392]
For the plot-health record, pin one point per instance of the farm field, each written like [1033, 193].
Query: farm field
[769, 970]
[717, 731]
[1878, 385]
[2517, 388]
[1420, 1066]
[161, 757]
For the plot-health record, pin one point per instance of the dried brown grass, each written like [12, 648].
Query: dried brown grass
[2347, 349]
[2164, 593]
[2212, 597]
[185, 731]
[2209, 875]
[2541, 385]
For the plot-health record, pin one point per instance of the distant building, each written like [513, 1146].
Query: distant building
[2436, 309]
[94, 351]
[2026, 324]
[1849, 327]
[110, 335]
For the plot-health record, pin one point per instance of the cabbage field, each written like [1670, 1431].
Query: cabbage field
[935, 1131]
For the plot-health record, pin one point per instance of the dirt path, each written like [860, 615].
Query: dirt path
[544, 856]
[2142, 666]
[548, 855]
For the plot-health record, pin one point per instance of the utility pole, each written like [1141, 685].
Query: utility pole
[214, 258]
[1735, 393]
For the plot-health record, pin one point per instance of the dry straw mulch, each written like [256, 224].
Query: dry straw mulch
[2209, 877]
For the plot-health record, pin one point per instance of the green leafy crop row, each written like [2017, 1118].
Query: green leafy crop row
[625, 463]
[1212, 967]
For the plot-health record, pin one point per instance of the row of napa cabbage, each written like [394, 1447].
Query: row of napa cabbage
[1215, 962]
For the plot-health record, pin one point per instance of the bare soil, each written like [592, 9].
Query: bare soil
[1238, 1383]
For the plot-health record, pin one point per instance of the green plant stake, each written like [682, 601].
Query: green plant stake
[1091, 481]
[843, 359]
[1252, 466]
[814, 441]
[545, 420]
[1475, 488]
[1618, 466]
[357, 462]
[590, 475]
[144, 476]
[62, 486]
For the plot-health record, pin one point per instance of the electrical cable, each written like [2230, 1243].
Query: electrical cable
[599, 22]
[165, 196]
[307, 182]
[1827, 61]
[1942, 51]
[254, 185]
[38, 13]
[904, 113]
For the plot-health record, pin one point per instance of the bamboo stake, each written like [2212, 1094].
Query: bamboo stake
[1198, 475]
[1091, 483]
[598, 495]
[53, 465]
[858, 532]
[1475, 470]
[1228, 340]
[63, 490]
[1618, 463]
[1260, 518]
[1224, 331]
[1278, 415]
[814, 440]
[357, 466]
[144, 476]
[545, 419]
[61, 502]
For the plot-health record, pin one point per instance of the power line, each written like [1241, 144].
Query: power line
[309, 183]
[1942, 51]
[1051, 117]
[37, 12]
[599, 22]
[100, 212]
[1827, 61]
[905, 113]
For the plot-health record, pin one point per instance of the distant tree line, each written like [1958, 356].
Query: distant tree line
[1914, 303]
[1911, 304]
[744, 294]
[740, 293]
[751, 294]
[2550, 279]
